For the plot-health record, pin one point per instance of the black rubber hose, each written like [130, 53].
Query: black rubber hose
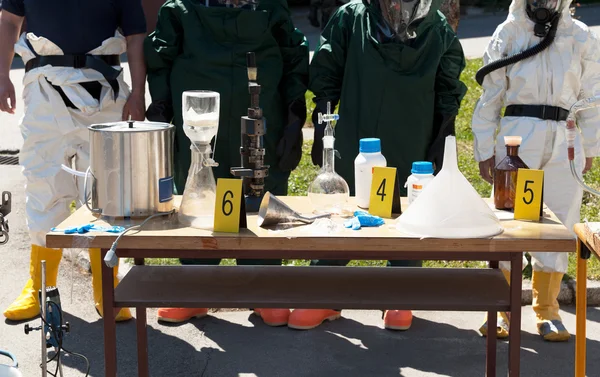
[485, 70]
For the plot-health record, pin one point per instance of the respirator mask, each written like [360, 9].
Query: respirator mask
[398, 15]
[542, 12]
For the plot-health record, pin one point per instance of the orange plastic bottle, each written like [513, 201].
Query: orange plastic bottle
[505, 174]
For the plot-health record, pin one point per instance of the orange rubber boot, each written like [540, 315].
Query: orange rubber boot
[177, 315]
[273, 317]
[398, 319]
[306, 319]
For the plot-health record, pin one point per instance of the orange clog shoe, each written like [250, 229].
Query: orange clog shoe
[176, 315]
[273, 317]
[398, 319]
[306, 319]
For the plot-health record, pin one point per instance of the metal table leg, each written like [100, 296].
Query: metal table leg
[516, 284]
[110, 327]
[142, 334]
[491, 338]
[583, 254]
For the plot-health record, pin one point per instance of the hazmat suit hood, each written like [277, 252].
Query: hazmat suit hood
[517, 12]
[399, 19]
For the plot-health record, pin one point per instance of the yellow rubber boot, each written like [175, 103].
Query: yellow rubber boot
[546, 287]
[27, 305]
[503, 322]
[96, 263]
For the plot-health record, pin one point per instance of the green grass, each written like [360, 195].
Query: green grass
[306, 171]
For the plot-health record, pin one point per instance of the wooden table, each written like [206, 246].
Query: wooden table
[312, 287]
[588, 243]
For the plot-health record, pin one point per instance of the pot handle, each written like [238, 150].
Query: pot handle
[10, 356]
[86, 199]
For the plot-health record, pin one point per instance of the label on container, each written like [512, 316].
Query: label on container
[165, 189]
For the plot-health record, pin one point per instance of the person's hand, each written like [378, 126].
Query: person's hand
[486, 170]
[8, 102]
[135, 107]
[589, 162]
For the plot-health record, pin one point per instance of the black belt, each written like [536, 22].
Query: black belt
[100, 63]
[537, 111]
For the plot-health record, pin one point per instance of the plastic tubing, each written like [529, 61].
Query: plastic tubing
[571, 134]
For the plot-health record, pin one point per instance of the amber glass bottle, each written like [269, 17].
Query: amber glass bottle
[505, 174]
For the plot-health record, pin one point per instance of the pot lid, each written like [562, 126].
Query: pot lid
[130, 126]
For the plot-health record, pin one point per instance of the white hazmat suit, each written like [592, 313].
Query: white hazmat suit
[56, 134]
[567, 71]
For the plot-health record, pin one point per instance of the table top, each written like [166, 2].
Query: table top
[588, 233]
[167, 234]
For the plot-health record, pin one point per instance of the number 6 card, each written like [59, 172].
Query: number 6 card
[230, 212]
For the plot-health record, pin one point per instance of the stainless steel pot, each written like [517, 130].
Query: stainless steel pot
[131, 168]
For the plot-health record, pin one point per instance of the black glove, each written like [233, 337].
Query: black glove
[317, 149]
[444, 126]
[160, 111]
[289, 149]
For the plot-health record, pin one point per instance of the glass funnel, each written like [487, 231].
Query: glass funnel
[200, 115]
[329, 192]
[200, 124]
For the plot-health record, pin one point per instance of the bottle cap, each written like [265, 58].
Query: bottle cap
[422, 167]
[370, 145]
[512, 141]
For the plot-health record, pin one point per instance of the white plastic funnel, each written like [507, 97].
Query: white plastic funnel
[449, 207]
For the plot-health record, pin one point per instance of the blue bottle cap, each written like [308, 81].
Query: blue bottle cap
[422, 167]
[370, 145]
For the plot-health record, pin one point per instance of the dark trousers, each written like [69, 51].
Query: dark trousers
[390, 263]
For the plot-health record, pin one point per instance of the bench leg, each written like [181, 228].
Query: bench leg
[110, 327]
[516, 285]
[581, 314]
[142, 334]
[491, 338]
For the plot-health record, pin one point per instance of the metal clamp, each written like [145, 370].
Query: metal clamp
[5, 208]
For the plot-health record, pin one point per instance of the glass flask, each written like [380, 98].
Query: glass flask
[200, 124]
[329, 192]
[505, 174]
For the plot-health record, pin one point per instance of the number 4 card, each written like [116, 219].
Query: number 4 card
[385, 194]
[230, 209]
[529, 194]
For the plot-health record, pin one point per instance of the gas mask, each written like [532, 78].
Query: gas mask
[542, 12]
[398, 14]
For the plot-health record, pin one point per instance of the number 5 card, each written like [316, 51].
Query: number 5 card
[528, 196]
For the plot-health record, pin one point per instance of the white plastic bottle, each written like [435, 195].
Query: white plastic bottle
[369, 157]
[422, 174]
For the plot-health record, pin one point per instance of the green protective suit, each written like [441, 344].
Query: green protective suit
[195, 47]
[397, 91]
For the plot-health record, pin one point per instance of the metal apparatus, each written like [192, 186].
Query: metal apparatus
[254, 126]
[5, 204]
[52, 329]
[131, 168]
[571, 134]
[273, 211]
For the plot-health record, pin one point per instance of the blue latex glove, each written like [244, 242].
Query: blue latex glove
[362, 218]
[90, 228]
